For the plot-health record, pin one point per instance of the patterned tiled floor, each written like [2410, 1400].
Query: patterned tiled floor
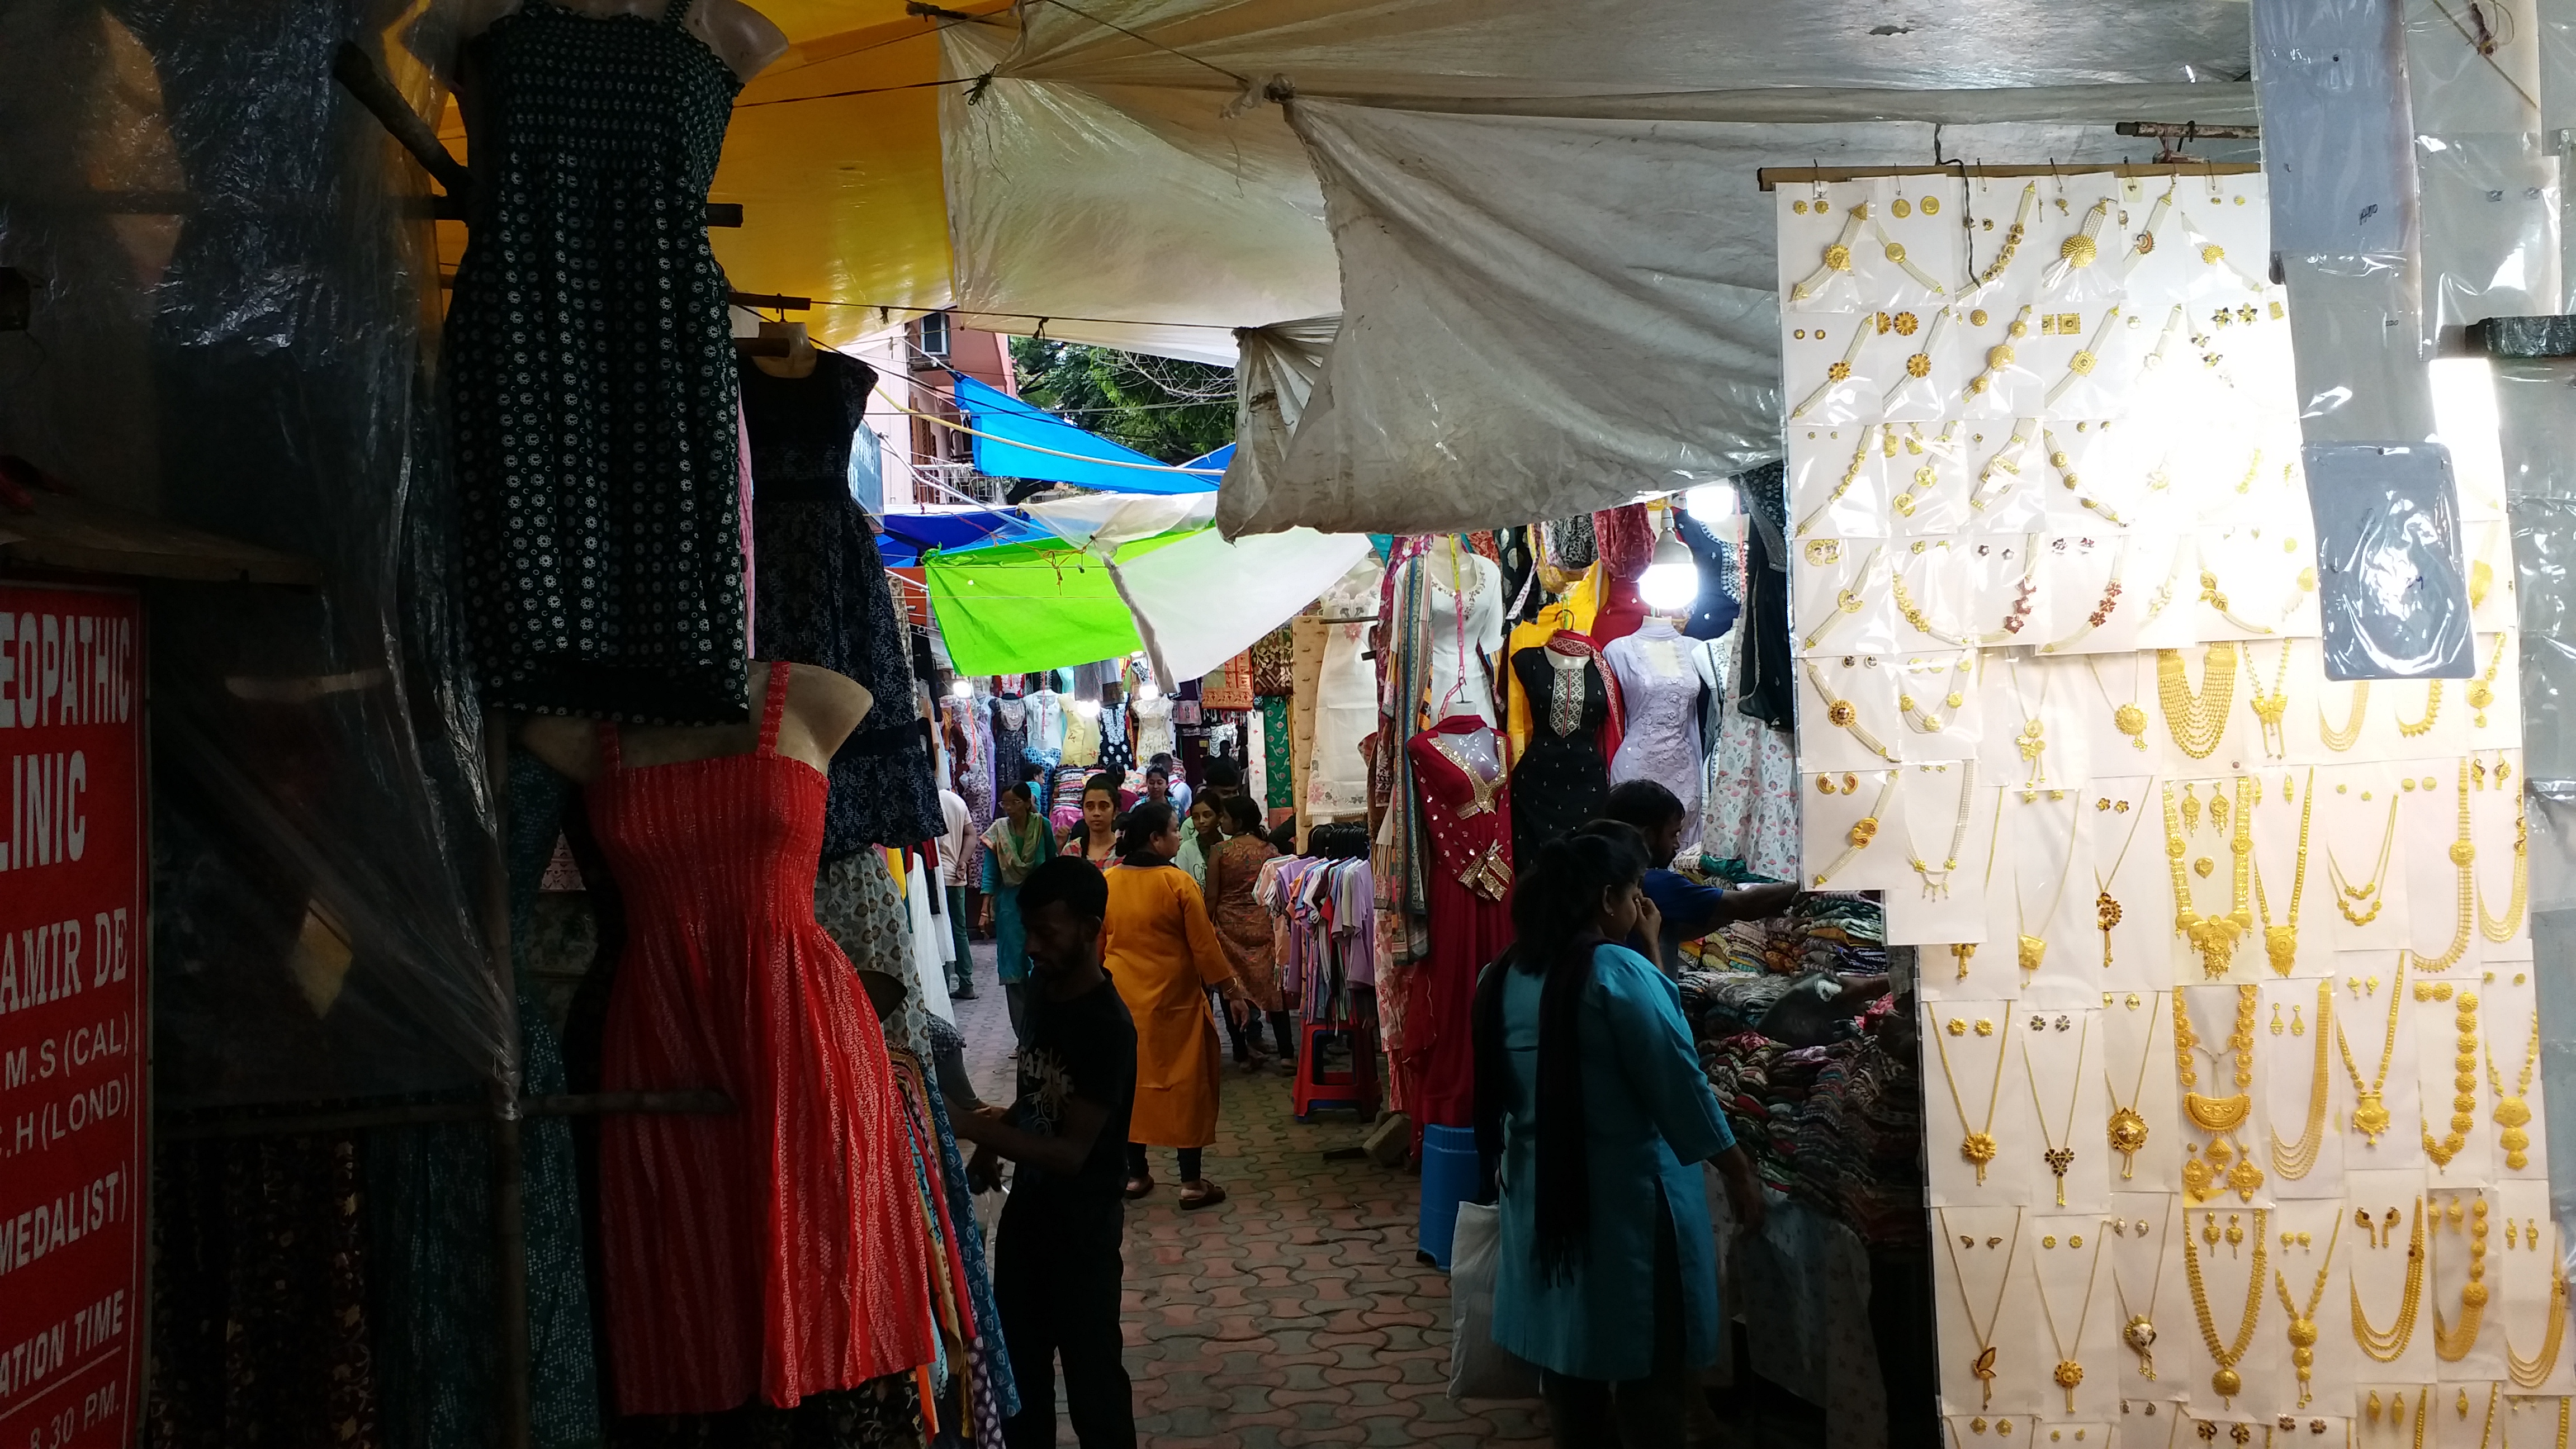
[1294, 1313]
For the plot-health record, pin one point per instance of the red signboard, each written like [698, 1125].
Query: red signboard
[73, 1021]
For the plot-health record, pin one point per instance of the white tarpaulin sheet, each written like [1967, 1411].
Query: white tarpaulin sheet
[1275, 372]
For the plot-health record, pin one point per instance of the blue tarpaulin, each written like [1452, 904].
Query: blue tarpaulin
[909, 535]
[1021, 440]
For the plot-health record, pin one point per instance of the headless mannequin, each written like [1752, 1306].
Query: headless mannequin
[743, 38]
[822, 710]
[799, 361]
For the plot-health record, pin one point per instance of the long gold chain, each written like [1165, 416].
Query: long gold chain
[1983, 1366]
[2432, 711]
[2070, 1370]
[2464, 854]
[2513, 1109]
[2059, 1159]
[2281, 942]
[2213, 936]
[2346, 893]
[1978, 1146]
[2218, 1116]
[2342, 739]
[2106, 907]
[2031, 951]
[2452, 1342]
[2370, 1104]
[2464, 1106]
[2389, 1345]
[2226, 1382]
[2503, 929]
[2270, 708]
[2197, 720]
[2482, 689]
[2128, 1126]
[2303, 1326]
[2531, 1373]
[2294, 1163]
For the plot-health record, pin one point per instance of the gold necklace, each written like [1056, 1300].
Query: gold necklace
[2452, 1343]
[2070, 1371]
[2128, 1126]
[2032, 950]
[2303, 1326]
[2482, 691]
[1847, 600]
[2464, 854]
[2504, 928]
[2137, 1330]
[2106, 907]
[1907, 609]
[1983, 1367]
[2226, 1382]
[1978, 1146]
[2032, 739]
[2294, 1162]
[2432, 710]
[2218, 1116]
[1843, 715]
[2197, 719]
[2059, 1159]
[2513, 1110]
[2370, 1104]
[2347, 894]
[2213, 936]
[2281, 942]
[1862, 832]
[1936, 881]
[2270, 708]
[2531, 1373]
[2390, 1345]
[1923, 721]
[2128, 718]
[2342, 739]
[1859, 456]
[2464, 1106]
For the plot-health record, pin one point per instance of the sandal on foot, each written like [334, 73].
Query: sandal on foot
[1201, 1194]
[1139, 1186]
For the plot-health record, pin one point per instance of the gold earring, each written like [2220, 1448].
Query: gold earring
[2209, 1229]
[2370, 1406]
[2276, 1018]
[2235, 1234]
[2361, 1220]
[2297, 1027]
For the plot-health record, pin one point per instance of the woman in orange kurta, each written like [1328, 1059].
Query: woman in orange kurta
[1162, 952]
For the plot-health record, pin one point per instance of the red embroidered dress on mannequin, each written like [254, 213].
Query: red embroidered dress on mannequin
[777, 1250]
[1466, 812]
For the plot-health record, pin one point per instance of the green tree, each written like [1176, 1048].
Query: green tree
[1168, 410]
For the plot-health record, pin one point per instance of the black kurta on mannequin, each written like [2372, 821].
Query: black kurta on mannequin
[1563, 777]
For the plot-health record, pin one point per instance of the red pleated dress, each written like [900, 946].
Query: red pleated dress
[778, 1250]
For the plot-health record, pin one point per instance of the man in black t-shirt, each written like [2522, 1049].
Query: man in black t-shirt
[1057, 1269]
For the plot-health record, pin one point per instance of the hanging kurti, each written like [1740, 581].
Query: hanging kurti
[1466, 812]
[1659, 687]
[1564, 777]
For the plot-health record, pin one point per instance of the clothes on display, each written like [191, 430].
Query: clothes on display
[1153, 723]
[1323, 932]
[1461, 629]
[1660, 687]
[1563, 777]
[774, 1251]
[1346, 711]
[1466, 807]
[1010, 726]
[590, 368]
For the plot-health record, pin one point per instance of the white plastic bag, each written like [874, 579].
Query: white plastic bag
[1478, 1368]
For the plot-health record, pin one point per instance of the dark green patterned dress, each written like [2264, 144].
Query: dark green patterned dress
[591, 374]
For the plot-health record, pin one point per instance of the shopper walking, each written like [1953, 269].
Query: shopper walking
[1097, 840]
[1056, 1264]
[1014, 845]
[954, 847]
[1589, 1094]
[1243, 924]
[1202, 834]
[1162, 951]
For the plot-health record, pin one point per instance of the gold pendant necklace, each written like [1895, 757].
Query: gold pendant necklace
[2501, 929]
[1862, 832]
[2213, 936]
[2464, 854]
[2342, 739]
[1978, 1146]
[2032, 739]
[2293, 1163]
[2197, 719]
[2106, 907]
[2453, 1342]
[2370, 1105]
[2270, 708]
[2390, 1345]
[2348, 895]
[1843, 715]
[2128, 719]
[2513, 1110]
[2281, 942]
[2482, 689]
[2227, 1383]
[2432, 711]
[1983, 1366]
[1936, 880]
[2303, 1326]
[2138, 1330]
[2059, 1159]
[2033, 950]
[2464, 1106]
[2070, 1369]
[2218, 1116]
[1860, 455]
[2531, 1373]
[2128, 1126]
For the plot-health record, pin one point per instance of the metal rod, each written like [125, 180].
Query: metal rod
[417, 1114]
[775, 301]
[357, 70]
[1770, 177]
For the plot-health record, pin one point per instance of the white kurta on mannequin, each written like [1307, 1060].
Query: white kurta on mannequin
[1461, 641]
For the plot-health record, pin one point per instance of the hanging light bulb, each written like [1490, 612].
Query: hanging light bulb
[1087, 708]
[962, 688]
[1145, 689]
[1671, 580]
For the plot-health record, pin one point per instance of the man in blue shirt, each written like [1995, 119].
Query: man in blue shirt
[1690, 910]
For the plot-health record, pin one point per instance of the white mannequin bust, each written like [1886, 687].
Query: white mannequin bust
[743, 38]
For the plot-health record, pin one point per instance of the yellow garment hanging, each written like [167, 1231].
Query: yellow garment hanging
[1575, 611]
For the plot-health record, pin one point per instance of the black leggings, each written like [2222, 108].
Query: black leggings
[1136, 1166]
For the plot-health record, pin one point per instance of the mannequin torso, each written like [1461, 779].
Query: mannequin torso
[822, 709]
[743, 38]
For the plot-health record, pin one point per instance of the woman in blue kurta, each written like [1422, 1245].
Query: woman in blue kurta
[1590, 1095]
[1014, 844]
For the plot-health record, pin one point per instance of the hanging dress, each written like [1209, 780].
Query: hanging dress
[591, 374]
[1467, 814]
[1563, 778]
[1660, 687]
[780, 1249]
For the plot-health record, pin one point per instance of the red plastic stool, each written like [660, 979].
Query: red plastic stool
[1355, 1089]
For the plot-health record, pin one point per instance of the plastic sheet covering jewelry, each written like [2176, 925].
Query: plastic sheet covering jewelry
[2392, 575]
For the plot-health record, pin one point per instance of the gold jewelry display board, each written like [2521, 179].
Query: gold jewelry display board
[2227, 967]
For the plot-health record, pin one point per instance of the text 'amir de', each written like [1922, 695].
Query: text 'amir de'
[58, 671]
